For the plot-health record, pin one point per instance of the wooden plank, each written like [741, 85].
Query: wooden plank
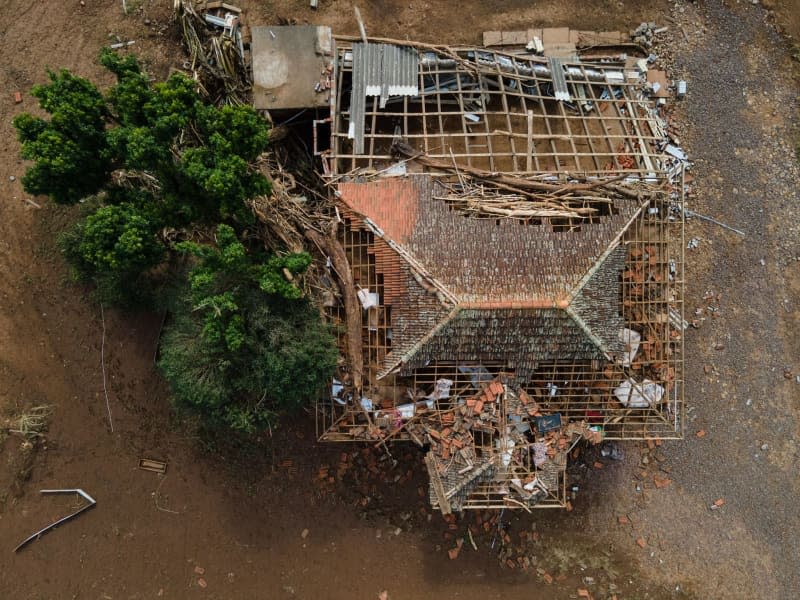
[436, 482]
[156, 466]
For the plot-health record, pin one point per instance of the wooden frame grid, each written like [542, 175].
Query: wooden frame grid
[496, 111]
[651, 292]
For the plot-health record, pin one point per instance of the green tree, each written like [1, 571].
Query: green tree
[239, 354]
[242, 343]
[198, 156]
[114, 247]
[70, 150]
[118, 238]
[155, 149]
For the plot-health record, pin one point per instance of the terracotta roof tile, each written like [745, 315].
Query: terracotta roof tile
[524, 293]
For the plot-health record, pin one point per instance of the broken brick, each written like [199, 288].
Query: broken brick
[661, 482]
[641, 543]
[623, 520]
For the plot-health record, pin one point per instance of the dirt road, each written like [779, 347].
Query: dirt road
[233, 518]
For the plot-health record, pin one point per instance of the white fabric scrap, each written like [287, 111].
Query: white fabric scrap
[441, 390]
[539, 454]
[478, 374]
[368, 300]
[639, 395]
[406, 410]
[631, 339]
[336, 391]
[506, 447]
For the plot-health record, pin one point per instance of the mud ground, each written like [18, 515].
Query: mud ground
[234, 515]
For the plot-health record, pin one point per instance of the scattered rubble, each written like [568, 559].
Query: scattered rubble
[216, 39]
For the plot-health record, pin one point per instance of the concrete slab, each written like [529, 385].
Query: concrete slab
[515, 38]
[555, 35]
[492, 38]
[563, 50]
[584, 39]
[532, 33]
[288, 62]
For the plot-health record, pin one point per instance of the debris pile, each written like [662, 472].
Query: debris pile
[496, 437]
[643, 35]
[215, 39]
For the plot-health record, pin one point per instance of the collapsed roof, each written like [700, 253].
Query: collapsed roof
[506, 226]
[468, 289]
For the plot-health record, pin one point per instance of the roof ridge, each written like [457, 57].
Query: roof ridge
[419, 343]
[612, 245]
[588, 331]
[413, 263]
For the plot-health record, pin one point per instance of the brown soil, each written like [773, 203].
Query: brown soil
[238, 511]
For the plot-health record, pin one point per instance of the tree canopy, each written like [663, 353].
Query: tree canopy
[242, 343]
[198, 155]
[248, 349]
[70, 150]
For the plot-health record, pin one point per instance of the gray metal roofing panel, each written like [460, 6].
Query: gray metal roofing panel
[358, 99]
[559, 80]
[382, 70]
[390, 71]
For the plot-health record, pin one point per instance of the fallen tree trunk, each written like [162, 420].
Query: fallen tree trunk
[517, 184]
[355, 352]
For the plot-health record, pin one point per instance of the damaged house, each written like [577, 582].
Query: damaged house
[508, 273]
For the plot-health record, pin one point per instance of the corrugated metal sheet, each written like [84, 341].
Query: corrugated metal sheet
[358, 100]
[559, 79]
[391, 71]
[383, 70]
